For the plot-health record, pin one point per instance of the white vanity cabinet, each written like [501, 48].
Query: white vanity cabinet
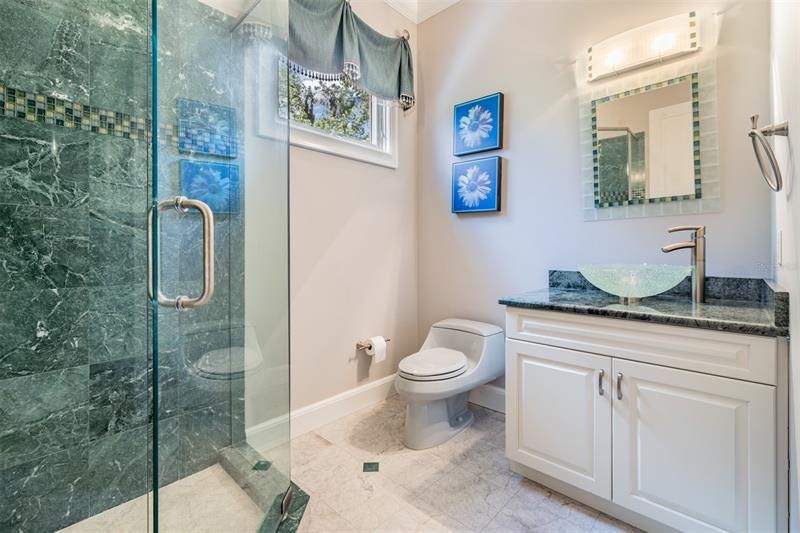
[593, 403]
[562, 423]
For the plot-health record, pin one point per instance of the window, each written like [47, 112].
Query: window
[340, 118]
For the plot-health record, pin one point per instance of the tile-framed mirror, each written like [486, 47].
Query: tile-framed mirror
[649, 142]
[646, 144]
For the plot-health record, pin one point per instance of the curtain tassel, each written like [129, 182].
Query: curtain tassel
[406, 101]
[352, 70]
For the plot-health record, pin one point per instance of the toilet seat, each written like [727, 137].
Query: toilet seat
[228, 363]
[435, 364]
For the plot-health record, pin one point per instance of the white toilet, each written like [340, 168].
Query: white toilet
[457, 356]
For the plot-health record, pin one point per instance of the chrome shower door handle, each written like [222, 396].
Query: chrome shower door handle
[182, 302]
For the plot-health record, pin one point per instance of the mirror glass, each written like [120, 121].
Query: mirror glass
[646, 144]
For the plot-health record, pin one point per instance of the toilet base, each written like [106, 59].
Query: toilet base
[431, 423]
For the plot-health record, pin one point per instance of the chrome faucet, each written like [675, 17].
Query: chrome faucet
[698, 246]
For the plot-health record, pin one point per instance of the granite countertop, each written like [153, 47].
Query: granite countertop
[737, 305]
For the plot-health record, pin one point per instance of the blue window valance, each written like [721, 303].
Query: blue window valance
[328, 41]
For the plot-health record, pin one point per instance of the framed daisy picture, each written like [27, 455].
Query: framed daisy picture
[476, 185]
[216, 184]
[478, 125]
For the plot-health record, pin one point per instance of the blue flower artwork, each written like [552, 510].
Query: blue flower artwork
[476, 185]
[206, 128]
[216, 184]
[478, 125]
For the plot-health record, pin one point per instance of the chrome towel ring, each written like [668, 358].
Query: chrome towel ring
[758, 136]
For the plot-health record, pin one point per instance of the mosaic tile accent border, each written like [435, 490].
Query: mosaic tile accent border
[206, 128]
[44, 109]
[698, 192]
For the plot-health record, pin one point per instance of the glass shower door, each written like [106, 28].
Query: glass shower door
[219, 276]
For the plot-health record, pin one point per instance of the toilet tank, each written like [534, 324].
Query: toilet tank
[466, 336]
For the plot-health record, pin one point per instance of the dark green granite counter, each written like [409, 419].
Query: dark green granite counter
[753, 307]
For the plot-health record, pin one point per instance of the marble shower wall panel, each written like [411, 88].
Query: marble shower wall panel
[74, 398]
[47, 49]
[55, 338]
[43, 167]
[44, 413]
[75, 373]
[119, 55]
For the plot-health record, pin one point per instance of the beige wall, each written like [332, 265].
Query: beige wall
[353, 254]
[526, 50]
[785, 93]
[432, 264]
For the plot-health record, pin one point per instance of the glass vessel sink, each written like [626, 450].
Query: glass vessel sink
[634, 282]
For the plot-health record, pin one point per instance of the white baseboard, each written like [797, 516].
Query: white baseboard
[489, 396]
[268, 435]
[272, 433]
[318, 414]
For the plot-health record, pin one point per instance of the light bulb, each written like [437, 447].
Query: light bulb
[614, 58]
[663, 43]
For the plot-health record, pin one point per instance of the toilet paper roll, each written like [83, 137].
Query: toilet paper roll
[377, 349]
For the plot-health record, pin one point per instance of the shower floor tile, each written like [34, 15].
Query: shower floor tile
[463, 485]
[208, 501]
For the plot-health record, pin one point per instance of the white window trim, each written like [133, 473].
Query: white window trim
[378, 151]
[382, 152]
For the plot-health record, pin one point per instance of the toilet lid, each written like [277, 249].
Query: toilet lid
[436, 362]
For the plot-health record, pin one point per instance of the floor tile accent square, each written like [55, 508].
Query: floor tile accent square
[371, 467]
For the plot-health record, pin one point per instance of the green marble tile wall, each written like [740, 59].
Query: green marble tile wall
[613, 159]
[75, 365]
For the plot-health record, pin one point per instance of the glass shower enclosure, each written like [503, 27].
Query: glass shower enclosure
[144, 313]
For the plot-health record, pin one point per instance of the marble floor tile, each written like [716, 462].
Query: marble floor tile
[489, 462]
[465, 485]
[607, 524]
[442, 523]
[559, 526]
[470, 498]
[320, 518]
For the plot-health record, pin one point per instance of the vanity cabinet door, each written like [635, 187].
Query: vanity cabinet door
[558, 414]
[694, 451]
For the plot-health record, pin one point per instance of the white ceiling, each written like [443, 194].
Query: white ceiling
[419, 10]
[234, 8]
[416, 10]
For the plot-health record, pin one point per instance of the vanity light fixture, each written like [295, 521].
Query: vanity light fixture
[652, 43]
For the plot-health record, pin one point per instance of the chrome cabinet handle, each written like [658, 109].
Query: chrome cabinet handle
[600, 377]
[619, 386]
[183, 302]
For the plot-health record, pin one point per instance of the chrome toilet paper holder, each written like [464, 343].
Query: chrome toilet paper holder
[366, 344]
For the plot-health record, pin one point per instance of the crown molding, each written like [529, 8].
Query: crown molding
[419, 10]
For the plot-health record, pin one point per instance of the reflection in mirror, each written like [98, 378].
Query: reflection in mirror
[647, 144]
